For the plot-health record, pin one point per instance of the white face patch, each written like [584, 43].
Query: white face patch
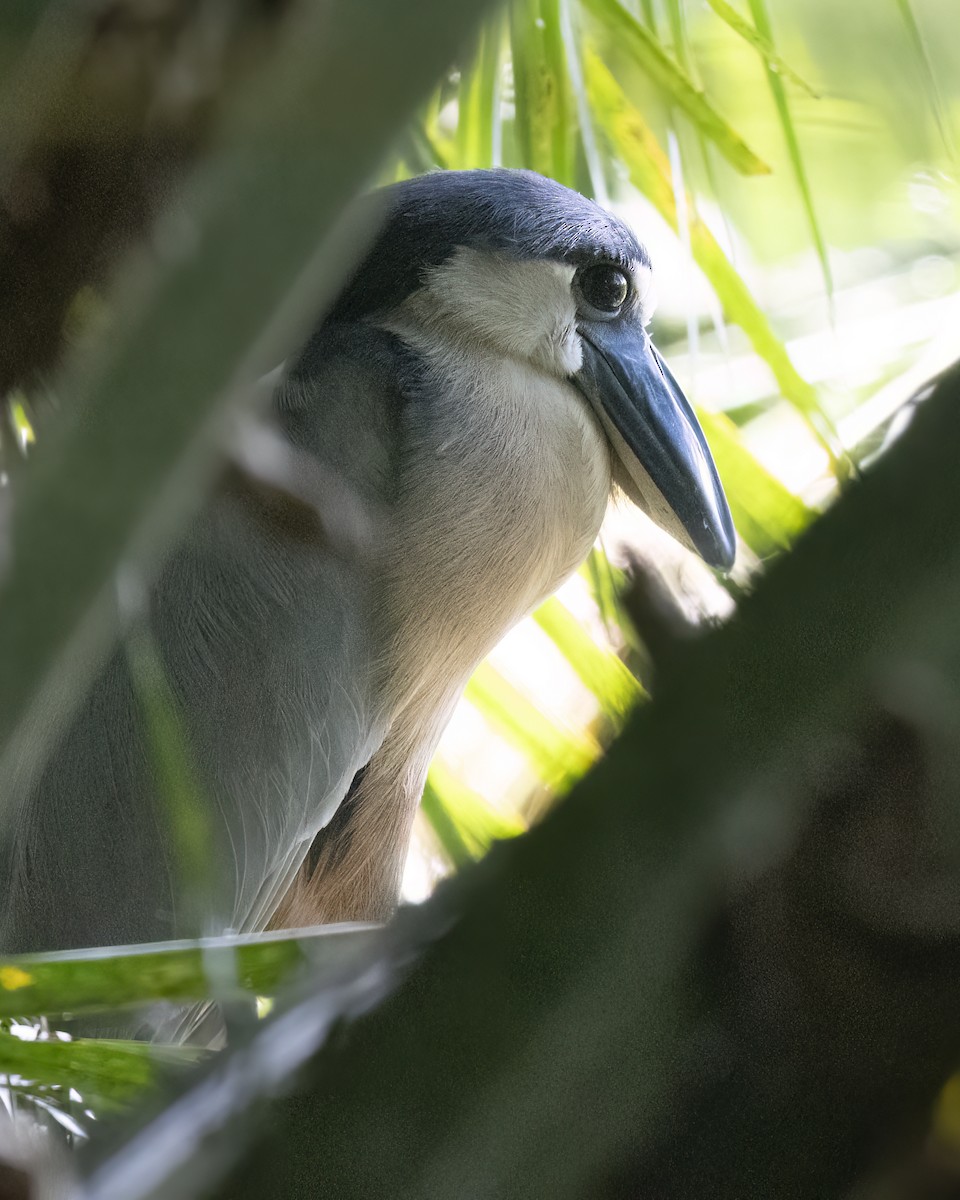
[524, 310]
[642, 277]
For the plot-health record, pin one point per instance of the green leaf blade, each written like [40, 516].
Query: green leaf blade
[763, 46]
[767, 515]
[601, 671]
[761, 18]
[229, 967]
[649, 171]
[545, 107]
[676, 85]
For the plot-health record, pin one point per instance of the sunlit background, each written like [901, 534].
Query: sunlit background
[848, 247]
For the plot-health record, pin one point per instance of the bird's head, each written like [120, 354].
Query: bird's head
[541, 274]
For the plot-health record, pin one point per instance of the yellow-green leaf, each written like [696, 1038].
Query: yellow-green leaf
[767, 515]
[601, 671]
[763, 46]
[545, 110]
[649, 168]
[478, 116]
[676, 85]
[464, 823]
[558, 756]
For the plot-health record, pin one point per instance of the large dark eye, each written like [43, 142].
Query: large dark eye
[604, 287]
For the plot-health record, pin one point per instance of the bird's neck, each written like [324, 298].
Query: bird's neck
[505, 483]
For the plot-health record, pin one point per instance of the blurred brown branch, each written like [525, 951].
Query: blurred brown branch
[89, 154]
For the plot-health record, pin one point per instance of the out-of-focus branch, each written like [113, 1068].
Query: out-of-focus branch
[111, 101]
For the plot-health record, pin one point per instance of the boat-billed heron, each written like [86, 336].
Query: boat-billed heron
[482, 383]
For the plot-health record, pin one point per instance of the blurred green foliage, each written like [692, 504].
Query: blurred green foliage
[756, 145]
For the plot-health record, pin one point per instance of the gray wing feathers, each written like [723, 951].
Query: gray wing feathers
[270, 644]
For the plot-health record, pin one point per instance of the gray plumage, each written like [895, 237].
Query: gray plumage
[480, 407]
